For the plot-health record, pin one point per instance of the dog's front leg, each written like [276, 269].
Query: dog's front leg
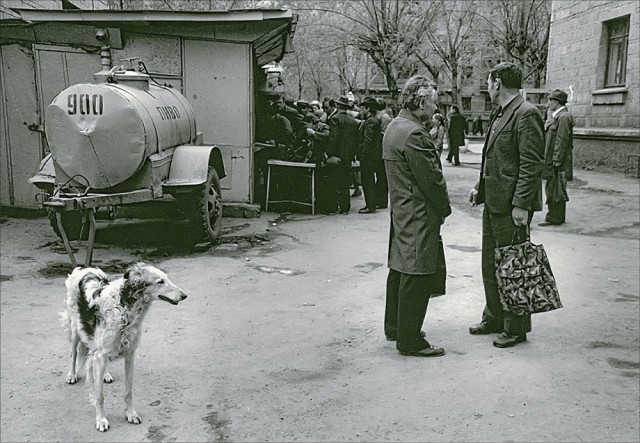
[99, 366]
[132, 415]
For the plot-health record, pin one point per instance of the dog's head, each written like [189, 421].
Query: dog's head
[153, 283]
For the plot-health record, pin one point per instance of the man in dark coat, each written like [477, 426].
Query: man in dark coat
[510, 188]
[374, 180]
[558, 158]
[419, 205]
[344, 135]
[457, 131]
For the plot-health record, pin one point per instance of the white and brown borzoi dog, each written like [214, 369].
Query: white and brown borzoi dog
[104, 320]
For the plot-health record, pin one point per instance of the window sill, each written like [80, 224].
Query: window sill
[609, 96]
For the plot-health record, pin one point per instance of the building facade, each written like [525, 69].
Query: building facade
[594, 55]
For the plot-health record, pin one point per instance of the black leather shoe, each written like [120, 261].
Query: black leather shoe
[366, 211]
[431, 351]
[393, 337]
[505, 340]
[482, 328]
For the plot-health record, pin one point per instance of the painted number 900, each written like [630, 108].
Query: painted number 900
[85, 104]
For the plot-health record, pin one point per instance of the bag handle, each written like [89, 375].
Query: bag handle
[520, 235]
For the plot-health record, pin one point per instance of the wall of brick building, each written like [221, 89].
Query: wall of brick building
[577, 52]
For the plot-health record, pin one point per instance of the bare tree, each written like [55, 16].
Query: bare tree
[454, 31]
[390, 32]
[521, 28]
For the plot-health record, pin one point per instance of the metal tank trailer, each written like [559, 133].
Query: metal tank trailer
[126, 139]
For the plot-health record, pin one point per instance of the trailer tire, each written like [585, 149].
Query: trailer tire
[203, 207]
[72, 223]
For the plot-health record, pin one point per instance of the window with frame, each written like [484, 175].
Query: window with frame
[488, 106]
[617, 45]
[466, 103]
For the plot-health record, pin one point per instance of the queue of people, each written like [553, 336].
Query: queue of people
[333, 134]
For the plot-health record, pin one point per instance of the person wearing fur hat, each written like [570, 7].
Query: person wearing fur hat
[419, 205]
[558, 157]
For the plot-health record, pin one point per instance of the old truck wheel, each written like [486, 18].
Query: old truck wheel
[72, 223]
[205, 209]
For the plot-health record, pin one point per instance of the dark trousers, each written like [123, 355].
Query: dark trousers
[406, 306]
[498, 230]
[326, 201]
[382, 187]
[340, 175]
[374, 183]
[454, 154]
[557, 210]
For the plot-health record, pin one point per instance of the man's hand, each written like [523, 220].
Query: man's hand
[520, 216]
[473, 196]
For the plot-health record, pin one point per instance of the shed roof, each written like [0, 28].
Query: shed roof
[269, 30]
[117, 15]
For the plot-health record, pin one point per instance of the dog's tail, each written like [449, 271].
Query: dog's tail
[83, 287]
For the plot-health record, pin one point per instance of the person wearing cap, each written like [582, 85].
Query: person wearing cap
[510, 186]
[419, 205]
[374, 180]
[558, 157]
[316, 109]
[341, 149]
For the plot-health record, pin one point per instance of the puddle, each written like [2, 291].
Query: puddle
[366, 268]
[217, 424]
[626, 297]
[56, 269]
[5, 277]
[63, 269]
[282, 218]
[276, 270]
[465, 248]
[623, 364]
[155, 433]
[604, 344]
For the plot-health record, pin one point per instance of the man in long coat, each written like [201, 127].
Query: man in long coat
[419, 205]
[558, 157]
[374, 179]
[510, 188]
[456, 132]
[344, 135]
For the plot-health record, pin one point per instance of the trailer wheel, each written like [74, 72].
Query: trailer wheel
[72, 223]
[204, 209]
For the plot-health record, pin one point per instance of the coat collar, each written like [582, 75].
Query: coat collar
[554, 117]
[405, 113]
[503, 117]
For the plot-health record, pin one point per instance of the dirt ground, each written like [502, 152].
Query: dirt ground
[281, 337]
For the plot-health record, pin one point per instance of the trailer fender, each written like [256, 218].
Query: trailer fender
[190, 164]
[46, 176]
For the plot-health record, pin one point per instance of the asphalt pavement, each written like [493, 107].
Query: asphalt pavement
[281, 338]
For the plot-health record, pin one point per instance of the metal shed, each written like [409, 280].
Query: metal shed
[213, 57]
